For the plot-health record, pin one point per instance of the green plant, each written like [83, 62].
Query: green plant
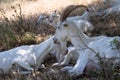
[115, 43]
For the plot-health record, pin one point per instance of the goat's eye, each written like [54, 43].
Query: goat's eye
[58, 27]
[65, 25]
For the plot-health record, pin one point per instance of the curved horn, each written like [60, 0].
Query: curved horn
[68, 10]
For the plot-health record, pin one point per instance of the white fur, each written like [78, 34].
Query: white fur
[102, 48]
[41, 19]
[71, 55]
[85, 16]
[111, 10]
[114, 7]
[111, 2]
[53, 19]
[83, 27]
[26, 56]
[75, 19]
[81, 41]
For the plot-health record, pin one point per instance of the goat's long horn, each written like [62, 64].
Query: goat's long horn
[68, 10]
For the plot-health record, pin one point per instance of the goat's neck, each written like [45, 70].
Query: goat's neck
[85, 38]
[80, 40]
[54, 22]
[43, 48]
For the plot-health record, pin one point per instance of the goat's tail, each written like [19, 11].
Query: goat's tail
[69, 9]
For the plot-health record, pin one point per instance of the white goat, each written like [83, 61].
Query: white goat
[81, 41]
[103, 49]
[26, 56]
[51, 20]
[54, 18]
[42, 18]
[114, 7]
[111, 10]
[111, 2]
[84, 26]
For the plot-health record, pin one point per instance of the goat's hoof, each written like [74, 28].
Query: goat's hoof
[67, 68]
[74, 72]
[56, 64]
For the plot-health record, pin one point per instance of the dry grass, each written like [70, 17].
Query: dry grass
[41, 6]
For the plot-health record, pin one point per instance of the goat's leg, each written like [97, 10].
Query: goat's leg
[59, 57]
[66, 60]
[23, 65]
[67, 68]
[82, 61]
[71, 55]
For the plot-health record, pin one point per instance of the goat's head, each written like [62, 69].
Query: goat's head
[69, 30]
[92, 11]
[54, 16]
[60, 36]
[42, 18]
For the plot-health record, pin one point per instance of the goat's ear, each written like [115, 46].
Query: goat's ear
[65, 25]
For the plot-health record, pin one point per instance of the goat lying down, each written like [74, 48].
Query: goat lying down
[114, 7]
[54, 20]
[111, 2]
[28, 57]
[85, 47]
[51, 20]
[111, 10]
[84, 27]
[99, 47]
